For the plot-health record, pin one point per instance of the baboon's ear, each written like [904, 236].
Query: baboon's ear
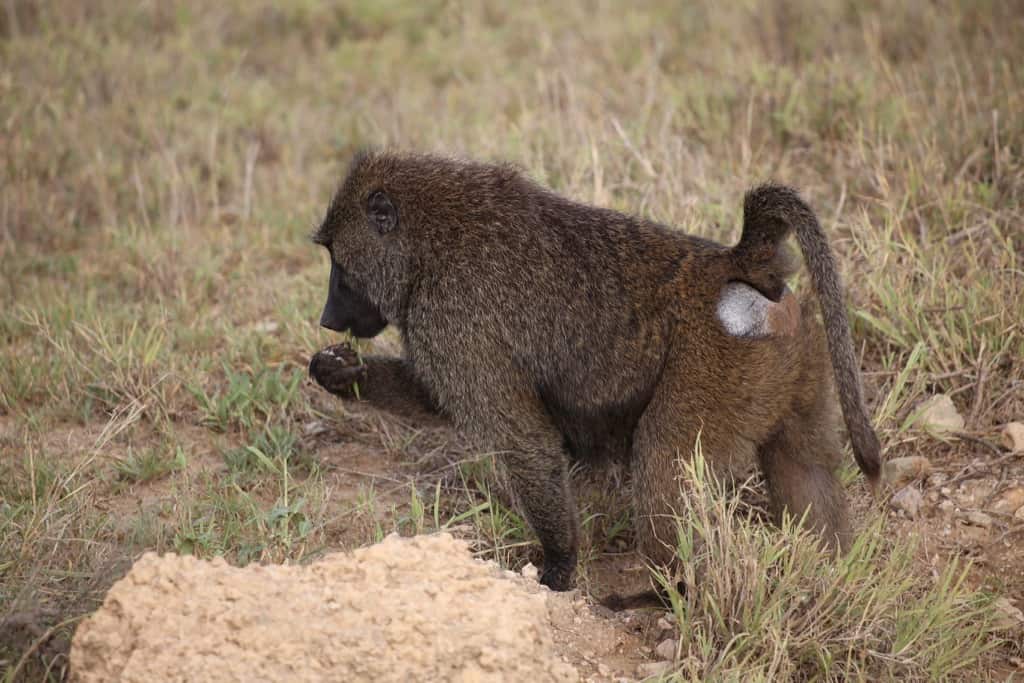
[382, 212]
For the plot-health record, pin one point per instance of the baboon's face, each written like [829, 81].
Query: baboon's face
[348, 310]
[360, 233]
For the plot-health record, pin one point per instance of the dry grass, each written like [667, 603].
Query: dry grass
[766, 604]
[164, 161]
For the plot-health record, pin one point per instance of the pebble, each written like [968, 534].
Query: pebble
[665, 624]
[908, 500]
[666, 649]
[947, 507]
[939, 415]
[315, 427]
[977, 518]
[1008, 617]
[899, 472]
[529, 571]
[1010, 501]
[1013, 436]
[648, 669]
[266, 327]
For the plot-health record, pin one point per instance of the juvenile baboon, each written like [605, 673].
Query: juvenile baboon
[541, 326]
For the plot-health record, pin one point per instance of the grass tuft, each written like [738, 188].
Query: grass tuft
[763, 603]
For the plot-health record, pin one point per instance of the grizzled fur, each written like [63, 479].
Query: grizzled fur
[543, 328]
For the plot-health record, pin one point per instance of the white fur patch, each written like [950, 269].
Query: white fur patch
[743, 311]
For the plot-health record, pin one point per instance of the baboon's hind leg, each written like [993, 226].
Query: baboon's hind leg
[800, 468]
[666, 437]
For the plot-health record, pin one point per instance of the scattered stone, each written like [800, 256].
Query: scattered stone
[651, 669]
[937, 479]
[314, 428]
[1013, 436]
[939, 415]
[1010, 501]
[907, 500]
[529, 571]
[947, 507]
[266, 327]
[1007, 616]
[665, 624]
[666, 649]
[977, 518]
[899, 472]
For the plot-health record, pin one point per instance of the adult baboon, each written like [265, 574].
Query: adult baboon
[540, 325]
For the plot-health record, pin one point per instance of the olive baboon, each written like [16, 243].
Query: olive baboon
[542, 326]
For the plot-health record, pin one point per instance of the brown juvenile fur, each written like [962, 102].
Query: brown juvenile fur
[541, 327]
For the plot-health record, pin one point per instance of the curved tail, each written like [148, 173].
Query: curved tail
[769, 213]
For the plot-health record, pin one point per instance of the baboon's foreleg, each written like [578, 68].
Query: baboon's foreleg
[537, 470]
[384, 382]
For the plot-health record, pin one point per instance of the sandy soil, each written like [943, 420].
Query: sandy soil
[419, 609]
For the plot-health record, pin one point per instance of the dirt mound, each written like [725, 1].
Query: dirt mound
[401, 610]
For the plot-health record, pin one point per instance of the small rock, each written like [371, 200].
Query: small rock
[908, 500]
[939, 415]
[1010, 501]
[1019, 514]
[947, 507]
[1007, 616]
[666, 649]
[266, 327]
[1013, 436]
[665, 624]
[937, 479]
[314, 427]
[649, 669]
[899, 472]
[529, 571]
[977, 518]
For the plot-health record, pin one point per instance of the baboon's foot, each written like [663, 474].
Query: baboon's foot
[557, 575]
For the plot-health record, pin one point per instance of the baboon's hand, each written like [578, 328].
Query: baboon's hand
[337, 369]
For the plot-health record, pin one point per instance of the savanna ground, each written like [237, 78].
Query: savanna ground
[164, 162]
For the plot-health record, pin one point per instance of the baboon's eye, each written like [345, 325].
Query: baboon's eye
[382, 212]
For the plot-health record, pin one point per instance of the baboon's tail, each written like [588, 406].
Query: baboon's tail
[769, 213]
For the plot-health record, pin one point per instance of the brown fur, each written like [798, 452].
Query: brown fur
[542, 326]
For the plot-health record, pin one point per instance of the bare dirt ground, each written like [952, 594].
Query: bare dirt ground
[410, 609]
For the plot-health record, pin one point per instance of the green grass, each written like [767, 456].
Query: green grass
[148, 465]
[163, 164]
